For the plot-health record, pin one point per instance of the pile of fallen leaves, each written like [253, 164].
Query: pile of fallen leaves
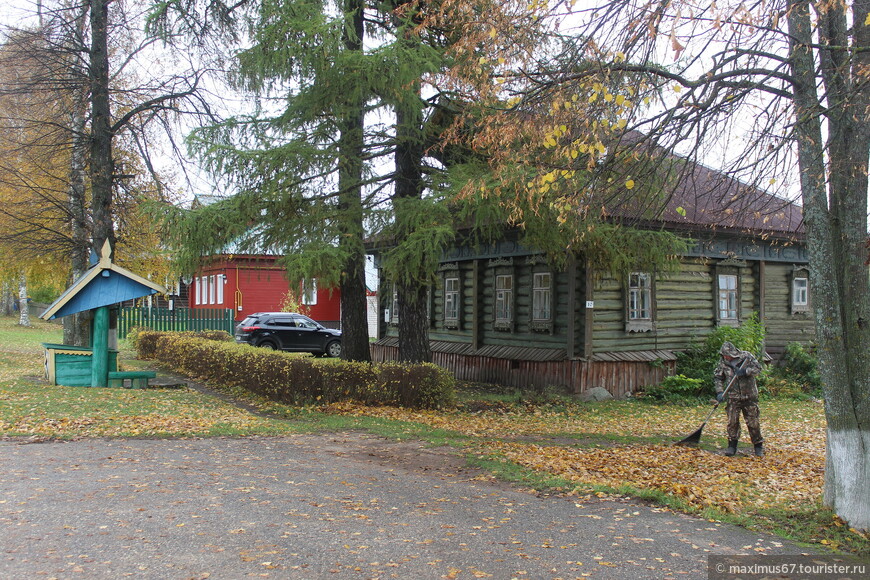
[557, 441]
[702, 479]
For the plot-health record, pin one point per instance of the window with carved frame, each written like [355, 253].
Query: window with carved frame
[800, 290]
[504, 300]
[639, 302]
[727, 289]
[451, 300]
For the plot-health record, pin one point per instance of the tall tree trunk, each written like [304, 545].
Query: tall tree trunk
[6, 299]
[413, 323]
[413, 306]
[101, 127]
[76, 327]
[836, 235]
[23, 309]
[354, 321]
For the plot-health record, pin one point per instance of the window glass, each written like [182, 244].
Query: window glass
[800, 295]
[542, 295]
[451, 298]
[728, 298]
[220, 288]
[302, 322]
[197, 293]
[639, 296]
[309, 292]
[504, 298]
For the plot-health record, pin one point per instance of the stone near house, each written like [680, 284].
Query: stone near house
[595, 394]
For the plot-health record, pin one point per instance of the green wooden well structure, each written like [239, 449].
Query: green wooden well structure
[102, 286]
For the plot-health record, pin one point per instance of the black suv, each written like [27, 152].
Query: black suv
[289, 331]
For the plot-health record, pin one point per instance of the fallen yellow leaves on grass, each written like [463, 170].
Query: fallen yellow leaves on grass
[54, 411]
[787, 425]
[700, 478]
[791, 473]
[181, 423]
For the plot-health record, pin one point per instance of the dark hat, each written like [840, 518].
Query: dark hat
[729, 349]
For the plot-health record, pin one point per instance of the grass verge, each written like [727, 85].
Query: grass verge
[547, 443]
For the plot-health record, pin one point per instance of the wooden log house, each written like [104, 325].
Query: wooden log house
[501, 314]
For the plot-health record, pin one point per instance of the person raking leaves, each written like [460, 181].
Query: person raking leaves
[742, 395]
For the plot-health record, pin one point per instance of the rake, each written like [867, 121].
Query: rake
[695, 438]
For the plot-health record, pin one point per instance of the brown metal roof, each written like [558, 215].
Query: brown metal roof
[699, 197]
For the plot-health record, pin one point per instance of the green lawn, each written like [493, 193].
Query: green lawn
[33, 408]
[616, 447]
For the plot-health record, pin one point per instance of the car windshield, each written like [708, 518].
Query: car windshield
[249, 321]
[304, 322]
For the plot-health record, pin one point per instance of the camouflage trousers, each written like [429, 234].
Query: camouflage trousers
[749, 409]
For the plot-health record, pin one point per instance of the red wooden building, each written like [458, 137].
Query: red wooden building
[256, 283]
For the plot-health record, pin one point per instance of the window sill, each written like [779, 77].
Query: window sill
[541, 326]
[645, 326]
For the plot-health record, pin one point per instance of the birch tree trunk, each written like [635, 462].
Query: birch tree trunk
[6, 299]
[101, 163]
[23, 310]
[76, 326]
[835, 213]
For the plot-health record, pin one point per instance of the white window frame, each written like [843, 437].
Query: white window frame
[220, 279]
[504, 298]
[211, 289]
[197, 289]
[728, 298]
[639, 296]
[542, 296]
[800, 291]
[451, 300]
[309, 291]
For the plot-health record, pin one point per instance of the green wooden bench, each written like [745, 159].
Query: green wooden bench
[138, 379]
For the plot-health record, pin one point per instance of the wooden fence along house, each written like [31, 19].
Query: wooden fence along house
[501, 314]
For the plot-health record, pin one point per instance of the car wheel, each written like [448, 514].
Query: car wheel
[333, 349]
[268, 345]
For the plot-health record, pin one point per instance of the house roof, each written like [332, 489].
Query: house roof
[102, 285]
[699, 197]
[704, 197]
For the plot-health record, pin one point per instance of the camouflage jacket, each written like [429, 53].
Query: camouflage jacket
[744, 387]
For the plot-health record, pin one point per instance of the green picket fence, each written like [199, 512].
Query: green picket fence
[177, 319]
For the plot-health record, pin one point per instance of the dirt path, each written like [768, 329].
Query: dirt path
[343, 505]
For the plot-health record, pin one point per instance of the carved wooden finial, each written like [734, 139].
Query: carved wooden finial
[106, 254]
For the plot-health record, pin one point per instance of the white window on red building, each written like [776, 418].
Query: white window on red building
[309, 292]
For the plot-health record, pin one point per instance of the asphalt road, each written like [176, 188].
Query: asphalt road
[322, 506]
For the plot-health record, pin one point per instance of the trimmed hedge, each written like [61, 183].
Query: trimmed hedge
[296, 380]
